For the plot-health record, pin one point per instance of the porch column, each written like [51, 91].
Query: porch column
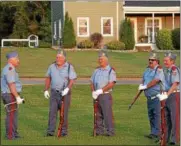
[153, 28]
[173, 20]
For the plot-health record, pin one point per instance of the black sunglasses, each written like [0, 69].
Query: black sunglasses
[152, 59]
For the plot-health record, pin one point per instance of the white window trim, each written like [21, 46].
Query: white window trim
[60, 28]
[88, 32]
[55, 30]
[107, 35]
[150, 18]
[135, 27]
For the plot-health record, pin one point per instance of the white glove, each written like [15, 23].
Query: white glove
[142, 87]
[162, 96]
[46, 94]
[65, 91]
[98, 92]
[19, 100]
[94, 95]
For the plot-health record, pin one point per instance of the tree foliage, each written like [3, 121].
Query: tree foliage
[21, 18]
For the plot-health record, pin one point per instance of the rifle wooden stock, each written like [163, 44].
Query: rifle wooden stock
[135, 98]
[95, 117]
[61, 118]
[163, 125]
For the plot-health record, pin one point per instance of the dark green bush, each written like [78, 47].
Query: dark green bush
[85, 44]
[68, 39]
[115, 45]
[96, 38]
[164, 40]
[126, 34]
[176, 38]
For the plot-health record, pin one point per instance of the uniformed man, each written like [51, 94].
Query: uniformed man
[102, 82]
[60, 76]
[172, 96]
[152, 84]
[10, 92]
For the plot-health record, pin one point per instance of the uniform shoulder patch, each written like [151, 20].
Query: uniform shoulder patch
[113, 68]
[174, 68]
[10, 68]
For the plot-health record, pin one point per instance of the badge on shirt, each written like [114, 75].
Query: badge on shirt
[10, 68]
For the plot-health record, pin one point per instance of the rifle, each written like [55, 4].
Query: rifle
[61, 118]
[9, 106]
[135, 98]
[163, 124]
[95, 116]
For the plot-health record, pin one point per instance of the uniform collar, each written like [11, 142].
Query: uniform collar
[106, 68]
[64, 65]
[153, 68]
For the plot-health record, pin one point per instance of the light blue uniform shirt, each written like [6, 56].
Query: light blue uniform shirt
[101, 77]
[171, 77]
[148, 76]
[9, 75]
[60, 76]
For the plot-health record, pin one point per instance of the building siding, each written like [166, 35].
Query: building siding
[94, 10]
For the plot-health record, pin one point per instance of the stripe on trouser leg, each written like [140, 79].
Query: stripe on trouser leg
[177, 116]
[112, 111]
[10, 132]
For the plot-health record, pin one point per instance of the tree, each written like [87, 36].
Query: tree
[126, 34]
[68, 38]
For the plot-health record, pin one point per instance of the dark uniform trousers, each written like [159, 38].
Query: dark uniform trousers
[105, 115]
[154, 115]
[172, 112]
[55, 105]
[11, 120]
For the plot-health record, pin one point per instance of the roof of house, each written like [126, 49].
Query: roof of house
[160, 3]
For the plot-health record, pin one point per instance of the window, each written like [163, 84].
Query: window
[107, 26]
[149, 29]
[83, 26]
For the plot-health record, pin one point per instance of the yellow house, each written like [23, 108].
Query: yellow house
[105, 16]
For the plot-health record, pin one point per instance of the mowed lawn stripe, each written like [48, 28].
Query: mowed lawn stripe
[35, 62]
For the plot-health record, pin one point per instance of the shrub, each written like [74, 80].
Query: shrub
[85, 44]
[115, 45]
[126, 34]
[164, 40]
[96, 38]
[176, 38]
[68, 38]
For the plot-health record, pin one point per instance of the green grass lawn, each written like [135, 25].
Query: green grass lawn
[34, 62]
[130, 126]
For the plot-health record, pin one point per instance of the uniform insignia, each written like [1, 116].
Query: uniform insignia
[113, 68]
[10, 68]
[174, 68]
